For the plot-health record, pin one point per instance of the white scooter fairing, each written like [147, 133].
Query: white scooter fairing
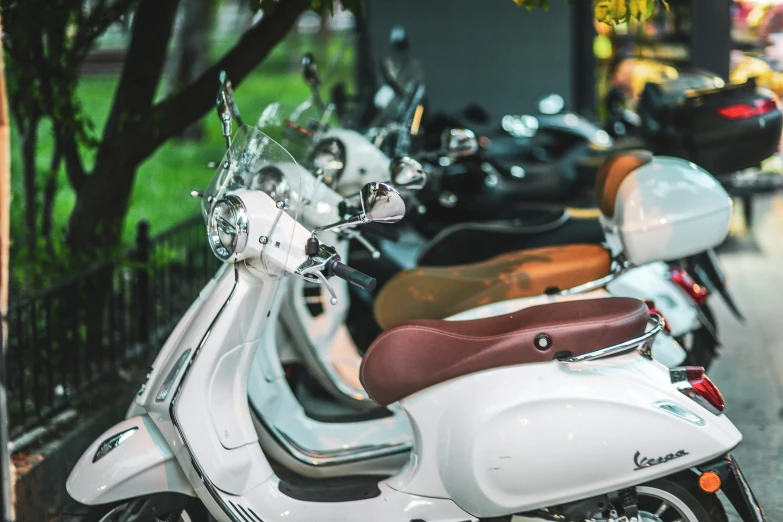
[98, 480]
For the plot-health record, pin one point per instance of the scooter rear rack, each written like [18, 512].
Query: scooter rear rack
[642, 343]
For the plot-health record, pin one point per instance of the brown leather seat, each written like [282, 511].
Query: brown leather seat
[437, 293]
[420, 354]
[612, 174]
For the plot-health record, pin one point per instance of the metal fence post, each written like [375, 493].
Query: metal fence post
[142, 279]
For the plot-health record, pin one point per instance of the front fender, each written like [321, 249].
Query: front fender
[140, 463]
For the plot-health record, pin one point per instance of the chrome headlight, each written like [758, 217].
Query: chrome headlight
[328, 160]
[227, 228]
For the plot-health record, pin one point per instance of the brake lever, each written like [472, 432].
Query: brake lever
[315, 264]
[327, 284]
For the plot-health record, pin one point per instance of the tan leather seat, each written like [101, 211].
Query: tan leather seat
[437, 293]
[612, 174]
[419, 354]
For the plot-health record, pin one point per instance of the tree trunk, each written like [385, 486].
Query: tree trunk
[96, 222]
[50, 192]
[102, 202]
[29, 148]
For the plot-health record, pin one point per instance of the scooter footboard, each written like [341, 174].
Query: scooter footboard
[131, 459]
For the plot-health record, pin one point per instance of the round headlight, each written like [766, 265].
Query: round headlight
[227, 229]
[328, 159]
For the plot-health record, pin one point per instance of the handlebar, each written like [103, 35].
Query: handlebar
[353, 276]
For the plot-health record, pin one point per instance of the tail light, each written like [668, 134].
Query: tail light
[743, 111]
[692, 381]
[653, 310]
[683, 279]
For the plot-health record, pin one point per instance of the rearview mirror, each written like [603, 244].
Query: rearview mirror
[407, 173]
[381, 203]
[458, 143]
[551, 104]
[310, 70]
[398, 38]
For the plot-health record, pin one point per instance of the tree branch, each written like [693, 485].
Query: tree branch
[99, 19]
[171, 116]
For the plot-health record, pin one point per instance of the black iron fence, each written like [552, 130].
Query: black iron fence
[69, 337]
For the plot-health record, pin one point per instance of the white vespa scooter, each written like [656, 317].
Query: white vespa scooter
[513, 415]
[325, 439]
[373, 440]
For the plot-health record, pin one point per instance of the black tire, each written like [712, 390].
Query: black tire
[76, 512]
[701, 345]
[682, 499]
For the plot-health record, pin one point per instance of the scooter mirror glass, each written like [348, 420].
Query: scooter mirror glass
[458, 143]
[381, 203]
[407, 173]
[551, 104]
[254, 162]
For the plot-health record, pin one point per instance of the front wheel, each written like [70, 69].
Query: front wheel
[162, 507]
[666, 500]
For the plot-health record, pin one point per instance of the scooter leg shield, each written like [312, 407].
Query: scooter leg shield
[131, 459]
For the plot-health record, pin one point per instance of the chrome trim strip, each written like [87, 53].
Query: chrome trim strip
[172, 410]
[112, 443]
[328, 458]
[331, 458]
[642, 343]
[171, 378]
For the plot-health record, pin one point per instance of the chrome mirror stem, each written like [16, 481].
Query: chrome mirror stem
[355, 220]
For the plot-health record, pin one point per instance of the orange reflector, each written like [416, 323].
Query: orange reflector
[709, 482]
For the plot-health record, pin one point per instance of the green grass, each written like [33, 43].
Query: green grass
[163, 182]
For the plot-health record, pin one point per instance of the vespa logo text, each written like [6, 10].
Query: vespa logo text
[644, 462]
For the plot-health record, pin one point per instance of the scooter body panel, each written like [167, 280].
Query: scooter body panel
[141, 464]
[524, 437]
[653, 281]
[363, 161]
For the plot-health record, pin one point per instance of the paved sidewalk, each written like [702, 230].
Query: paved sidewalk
[750, 371]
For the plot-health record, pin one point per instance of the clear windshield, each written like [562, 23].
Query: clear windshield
[255, 162]
[295, 127]
[300, 129]
[407, 74]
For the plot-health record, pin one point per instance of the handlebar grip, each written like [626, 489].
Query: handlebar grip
[353, 276]
[391, 233]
